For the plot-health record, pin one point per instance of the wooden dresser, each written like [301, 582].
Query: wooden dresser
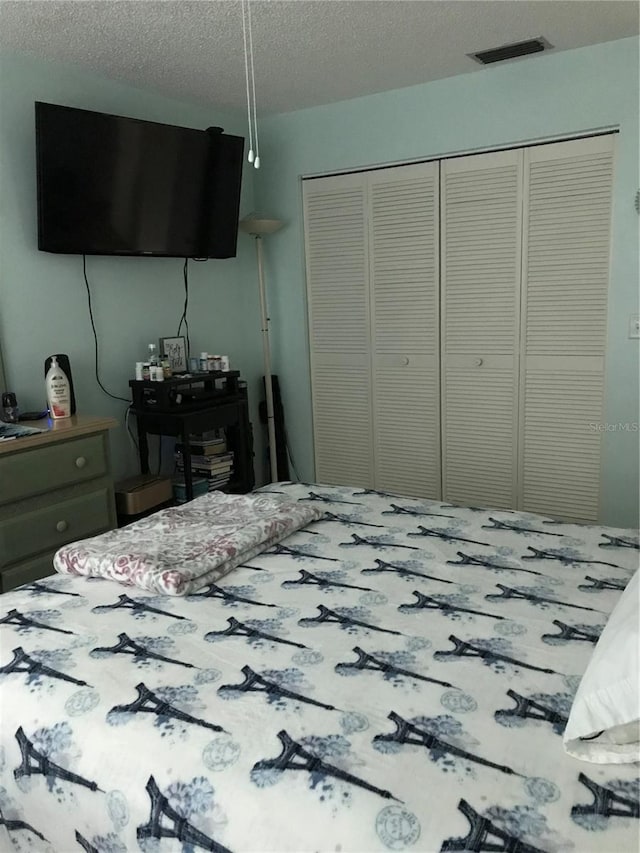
[55, 487]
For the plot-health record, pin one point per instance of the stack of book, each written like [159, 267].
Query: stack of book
[210, 459]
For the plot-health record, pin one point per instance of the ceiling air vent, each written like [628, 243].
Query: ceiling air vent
[511, 51]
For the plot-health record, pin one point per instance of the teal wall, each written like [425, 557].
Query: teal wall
[533, 99]
[43, 303]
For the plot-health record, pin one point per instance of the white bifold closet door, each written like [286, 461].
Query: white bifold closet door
[567, 226]
[372, 285]
[405, 340]
[481, 222]
[457, 318]
[337, 257]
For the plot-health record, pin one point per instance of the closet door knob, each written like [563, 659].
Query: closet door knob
[479, 362]
[81, 462]
[61, 526]
[405, 361]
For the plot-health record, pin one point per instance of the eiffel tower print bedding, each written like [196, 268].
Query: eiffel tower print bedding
[395, 676]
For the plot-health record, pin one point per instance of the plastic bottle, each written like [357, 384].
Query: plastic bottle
[58, 391]
[10, 412]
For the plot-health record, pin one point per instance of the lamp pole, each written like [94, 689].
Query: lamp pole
[258, 228]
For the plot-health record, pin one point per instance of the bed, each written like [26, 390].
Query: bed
[395, 676]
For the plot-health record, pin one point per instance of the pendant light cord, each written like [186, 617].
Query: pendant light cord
[246, 76]
[256, 161]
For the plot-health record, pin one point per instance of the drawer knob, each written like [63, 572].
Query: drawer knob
[405, 361]
[81, 462]
[479, 362]
[61, 526]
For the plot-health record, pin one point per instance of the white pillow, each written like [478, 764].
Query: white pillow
[604, 723]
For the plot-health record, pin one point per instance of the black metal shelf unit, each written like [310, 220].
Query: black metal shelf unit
[193, 404]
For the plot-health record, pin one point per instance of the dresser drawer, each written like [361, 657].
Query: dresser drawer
[53, 526]
[45, 468]
[32, 570]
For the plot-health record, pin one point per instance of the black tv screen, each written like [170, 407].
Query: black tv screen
[109, 185]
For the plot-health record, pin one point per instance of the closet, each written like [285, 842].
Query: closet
[457, 326]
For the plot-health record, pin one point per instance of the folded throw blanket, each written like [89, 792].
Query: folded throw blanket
[179, 550]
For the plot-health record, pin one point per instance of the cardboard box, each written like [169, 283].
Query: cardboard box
[142, 493]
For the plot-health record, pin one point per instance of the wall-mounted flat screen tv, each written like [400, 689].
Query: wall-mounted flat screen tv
[109, 185]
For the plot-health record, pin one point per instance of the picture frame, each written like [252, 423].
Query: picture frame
[175, 349]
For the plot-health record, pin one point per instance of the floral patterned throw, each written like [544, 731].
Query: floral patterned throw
[178, 551]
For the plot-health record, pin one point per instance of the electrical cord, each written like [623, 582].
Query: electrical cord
[95, 337]
[183, 318]
[290, 455]
[129, 430]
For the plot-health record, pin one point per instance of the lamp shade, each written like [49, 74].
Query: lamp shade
[258, 226]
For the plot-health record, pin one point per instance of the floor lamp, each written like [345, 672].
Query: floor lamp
[258, 228]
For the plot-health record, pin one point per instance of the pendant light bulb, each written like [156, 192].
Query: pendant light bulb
[257, 162]
[252, 156]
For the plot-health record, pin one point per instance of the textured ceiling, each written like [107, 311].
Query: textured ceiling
[307, 52]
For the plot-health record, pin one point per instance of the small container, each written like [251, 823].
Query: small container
[166, 368]
[10, 411]
[224, 363]
[141, 493]
[139, 369]
[211, 363]
[204, 361]
[199, 485]
[146, 371]
[157, 373]
[194, 365]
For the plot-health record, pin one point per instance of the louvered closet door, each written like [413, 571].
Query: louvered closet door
[338, 301]
[566, 275]
[481, 199]
[403, 240]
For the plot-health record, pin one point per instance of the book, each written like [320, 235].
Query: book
[209, 437]
[10, 431]
[221, 481]
[207, 473]
[204, 448]
[201, 459]
[212, 482]
[206, 466]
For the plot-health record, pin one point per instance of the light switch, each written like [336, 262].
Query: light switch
[634, 326]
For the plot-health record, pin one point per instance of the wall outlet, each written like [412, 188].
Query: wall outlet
[634, 326]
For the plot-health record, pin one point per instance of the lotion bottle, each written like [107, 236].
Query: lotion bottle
[58, 391]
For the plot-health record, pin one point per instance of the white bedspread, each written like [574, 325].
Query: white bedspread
[396, 676]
